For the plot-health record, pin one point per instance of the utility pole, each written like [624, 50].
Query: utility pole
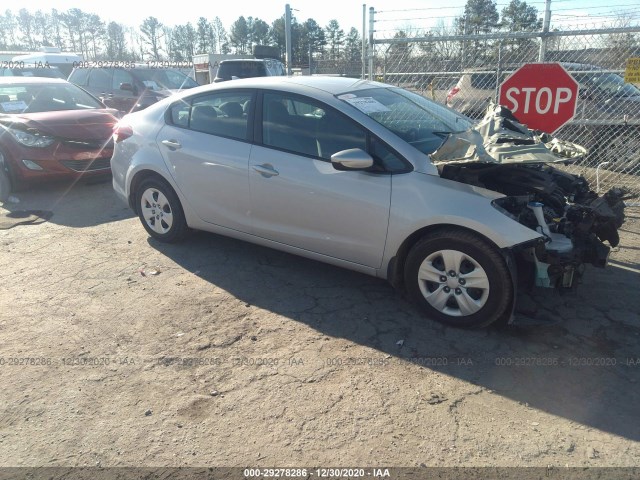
[545, 31]
[287, 35]
[371, 30]
[364, 41]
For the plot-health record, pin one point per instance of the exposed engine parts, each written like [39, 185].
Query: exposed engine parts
[574, 220]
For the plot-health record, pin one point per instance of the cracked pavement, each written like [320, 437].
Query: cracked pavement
[120, 351]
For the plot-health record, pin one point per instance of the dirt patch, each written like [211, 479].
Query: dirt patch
[233, 354]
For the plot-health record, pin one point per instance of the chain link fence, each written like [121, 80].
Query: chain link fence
[465, 72]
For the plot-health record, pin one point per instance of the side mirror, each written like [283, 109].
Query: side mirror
[352, 159]
[126, 86]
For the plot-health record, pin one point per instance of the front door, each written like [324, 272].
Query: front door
[299, 199]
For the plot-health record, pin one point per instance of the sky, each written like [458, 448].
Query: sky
[393, 14]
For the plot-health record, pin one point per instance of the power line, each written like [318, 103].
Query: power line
[592, 8]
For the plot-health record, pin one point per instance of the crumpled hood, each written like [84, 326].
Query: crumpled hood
[500, 138]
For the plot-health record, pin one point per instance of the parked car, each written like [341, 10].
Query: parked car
[607, 119]
[248, 68]
[31, 70]
[50, 128]
[603, 95]
[133, 88]
[373, 178]
[50, 56]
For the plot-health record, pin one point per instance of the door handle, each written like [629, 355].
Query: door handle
[171, 144]
[266, 170]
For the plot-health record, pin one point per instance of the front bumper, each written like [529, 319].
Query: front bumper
[60, 160]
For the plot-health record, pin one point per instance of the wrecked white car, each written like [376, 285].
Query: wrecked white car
[372, 178]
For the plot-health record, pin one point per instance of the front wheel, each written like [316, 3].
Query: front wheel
[160, 211]
[458, 279]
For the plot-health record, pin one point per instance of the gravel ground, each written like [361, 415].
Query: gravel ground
[116, 350]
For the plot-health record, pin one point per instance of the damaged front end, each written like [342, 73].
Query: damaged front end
[502, 155]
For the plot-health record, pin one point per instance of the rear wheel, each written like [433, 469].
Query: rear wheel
[160, 211]
[458, 279]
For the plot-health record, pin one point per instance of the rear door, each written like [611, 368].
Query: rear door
[206, 146]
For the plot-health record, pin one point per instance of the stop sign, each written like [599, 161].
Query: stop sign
[541, 95]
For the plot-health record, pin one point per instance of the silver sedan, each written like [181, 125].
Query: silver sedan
[354, 173]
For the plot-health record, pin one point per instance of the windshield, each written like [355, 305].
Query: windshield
[163, 79]
[421, 122]
[21, 98]
[610, 84]
[241, 70]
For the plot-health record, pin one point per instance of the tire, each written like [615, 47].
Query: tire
[438, 271]
[5, 180]
[160, 211]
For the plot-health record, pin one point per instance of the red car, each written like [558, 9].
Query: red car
[50, 128]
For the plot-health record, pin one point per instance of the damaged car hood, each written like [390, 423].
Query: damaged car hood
[500, 138]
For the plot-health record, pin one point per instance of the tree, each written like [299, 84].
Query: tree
[220, 35]
[520, 17]
[260, 33]
[72, 20]
[276, 34]
[7, 31]
[116, 42]
[239, 36]
[335, 38]
[95, 33]
[315, 35]
[352, 46]
[26, 26]
[151, 30]
[622, 45]
[480, 16]
[56, 29]
[184, 41]
[399, 53]
[203, 32]
[41, 27]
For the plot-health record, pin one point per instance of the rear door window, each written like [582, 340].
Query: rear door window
[483, 81]
[242, 70]
[224, 114]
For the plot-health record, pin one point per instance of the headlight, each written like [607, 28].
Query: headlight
[31, 139]
[510, 205]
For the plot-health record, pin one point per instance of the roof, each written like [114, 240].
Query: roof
[66, 57]
[257, 60]
[30, 80]
[331, 85]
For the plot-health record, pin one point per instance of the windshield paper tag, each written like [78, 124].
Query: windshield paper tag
[367, 104]
[16, 106]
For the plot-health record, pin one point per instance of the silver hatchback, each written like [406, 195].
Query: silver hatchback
[372, 178]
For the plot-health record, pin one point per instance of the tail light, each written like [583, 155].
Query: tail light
[452, 93]
[121, 132]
